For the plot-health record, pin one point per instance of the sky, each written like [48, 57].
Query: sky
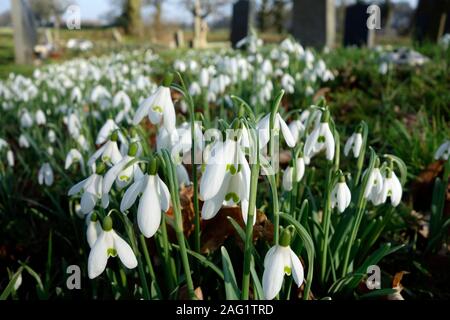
[92, 10]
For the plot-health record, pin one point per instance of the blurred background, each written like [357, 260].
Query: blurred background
[67, 28]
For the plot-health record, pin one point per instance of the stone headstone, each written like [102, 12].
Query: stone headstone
[432, 20]
[356, 32]
[241, 21]
[314, 22]
[25, 36]
[117, 36]
[179, 38]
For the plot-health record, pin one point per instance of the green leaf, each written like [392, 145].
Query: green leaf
[232, 291]
[10, 287]
[257, 287]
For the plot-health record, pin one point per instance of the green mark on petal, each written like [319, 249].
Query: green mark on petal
[157, 109]
[232, 196]
[112, 252]
[287, 270]
[321, 139]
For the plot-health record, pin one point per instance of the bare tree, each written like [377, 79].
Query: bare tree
[263, 15]
[157, 15]
[200, 10]
[131, 16]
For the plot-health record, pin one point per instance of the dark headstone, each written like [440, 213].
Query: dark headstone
[314, 22]
[242, 20]
[179, 38]
[432, 20]
[356, 32]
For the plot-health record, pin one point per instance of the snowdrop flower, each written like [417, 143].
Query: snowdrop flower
[10, 158]
[82, 142]
[40, 117]
[297, 129]
[392, 188]
[226, 178]
[51, 135]
[25, 120]
[341, 195]
[45, 175]
[263, 128]
[374, 186]
[321, 138]
[354, 144]
[281, 260]
[23, 142]
[289, 173]
[109, 244]
[159, 107]
[204, 78]
[194, 89]
[109, 152]
[3, 144]
[443, 151]
[94, 228]
[106, 131]
[383, 68]
[121, 173]
[155, 198]
[122, 99]
[287, 82]
[73, 156]
[92, 191]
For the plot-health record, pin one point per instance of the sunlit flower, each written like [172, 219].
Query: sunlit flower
[155, 199]
[105, 131]
[40, 117]
[92, 191]
[341, 196]
[73, 156]
[374, 186]
[45, 175]
[109, 244]
[321, 138]
[392, 188]
[353, 144]
[281, 260]
[93, 229]
[289, 173]
[263, 128]
[443, 152]
[159, 108]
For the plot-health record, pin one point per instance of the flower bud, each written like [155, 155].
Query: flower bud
[167, 80]
[133, 149]
[107, 223]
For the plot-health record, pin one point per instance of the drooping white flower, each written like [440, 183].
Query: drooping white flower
[341, 196]
[26, 121]
[122, 172]
[93, 229]
[354, 144]
[40, 117]
[109, 152]
[280, 260]
[155, 198]
[45, 174]
[51, 135]
[374, 186]
[289, 173]
[73, 156]
[109, 244]
[263, 128]
[443, 152]
[10, 158]
[92, 191]
[226, 179]
[23, 141]
[159, 108]
[320, 139]
[392, 188]
[297, 129]
[106, 131]
[121, 99]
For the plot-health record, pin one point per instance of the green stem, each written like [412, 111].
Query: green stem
[326, 226]
[361, 207]
[249, 230]
[173, 182]
[151, 271]
[142, 276]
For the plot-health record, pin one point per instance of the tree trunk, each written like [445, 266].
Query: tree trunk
[132, 14]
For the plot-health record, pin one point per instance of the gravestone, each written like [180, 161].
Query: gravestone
[241, 21]
[179, 38]
[314, 22]
[432, 20]
[356, 32]
[25, 36]
[117, 36]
